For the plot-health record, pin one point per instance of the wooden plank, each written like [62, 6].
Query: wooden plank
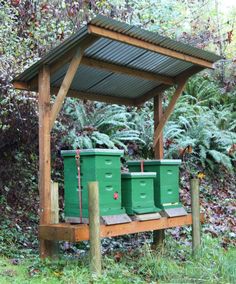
[126, 70]
[65, 85]
[147, 45]
[47, 248]
[110, 99]
[168, 111]
[76, 233]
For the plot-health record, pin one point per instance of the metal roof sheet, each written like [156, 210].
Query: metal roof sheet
[95, 80]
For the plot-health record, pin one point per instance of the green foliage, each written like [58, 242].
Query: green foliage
[96, 125]
[172, 265]
[202, 123]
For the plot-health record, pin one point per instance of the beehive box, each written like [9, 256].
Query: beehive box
[138, 193]
[102, 165]
[166, 183]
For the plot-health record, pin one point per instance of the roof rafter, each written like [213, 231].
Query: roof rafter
[98, 31]
[83, 95]
[127, 71]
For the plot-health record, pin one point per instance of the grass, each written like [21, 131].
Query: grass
[173, 265]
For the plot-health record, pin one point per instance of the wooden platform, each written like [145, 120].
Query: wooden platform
[80, 232]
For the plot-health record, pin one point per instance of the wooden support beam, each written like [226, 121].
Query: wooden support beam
[65, 85]
[127, 71]
[168, 111]
[77, 233]
[147, 45]
[110, 99]
[158, 236]
[47, 248]
[94, 228]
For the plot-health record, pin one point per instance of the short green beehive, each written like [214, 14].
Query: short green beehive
[138, 193]
[102, 165]
[166, 184]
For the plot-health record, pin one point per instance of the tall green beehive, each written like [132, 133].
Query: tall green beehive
[138, 193]
[102, 165]
[166, 184]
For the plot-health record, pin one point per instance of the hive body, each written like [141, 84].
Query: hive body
[100, 165]
[166, 182]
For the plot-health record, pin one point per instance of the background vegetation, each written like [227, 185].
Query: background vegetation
[201, 131]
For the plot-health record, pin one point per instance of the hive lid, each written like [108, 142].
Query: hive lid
[139, 175]
[91, 152]
[154, 162]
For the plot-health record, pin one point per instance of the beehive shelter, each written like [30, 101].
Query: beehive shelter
[116, 63]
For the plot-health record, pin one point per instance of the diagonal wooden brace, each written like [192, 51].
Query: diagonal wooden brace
[74, 64]
[168, 111]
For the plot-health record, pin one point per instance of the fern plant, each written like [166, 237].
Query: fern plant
[208, 130]
[93, 124]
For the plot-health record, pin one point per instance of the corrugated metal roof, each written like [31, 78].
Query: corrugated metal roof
[94, 80]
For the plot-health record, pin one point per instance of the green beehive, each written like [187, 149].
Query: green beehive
[137, 193]
[102, 165]
[166, 184]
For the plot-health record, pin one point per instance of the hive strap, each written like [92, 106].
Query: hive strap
[142, 165]
[77, 159]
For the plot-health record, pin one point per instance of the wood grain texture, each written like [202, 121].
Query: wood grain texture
[147, 45]
[76, 233]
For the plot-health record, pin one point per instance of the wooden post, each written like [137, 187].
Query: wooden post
[159, 235]
[54, 203]
[169, 110]
[94, 228]
[47, 248]
[195, 204]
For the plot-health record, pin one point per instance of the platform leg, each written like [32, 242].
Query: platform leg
[94, 228]
[158, 236]
[196, 225]
[158, 239]
[47, 248]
